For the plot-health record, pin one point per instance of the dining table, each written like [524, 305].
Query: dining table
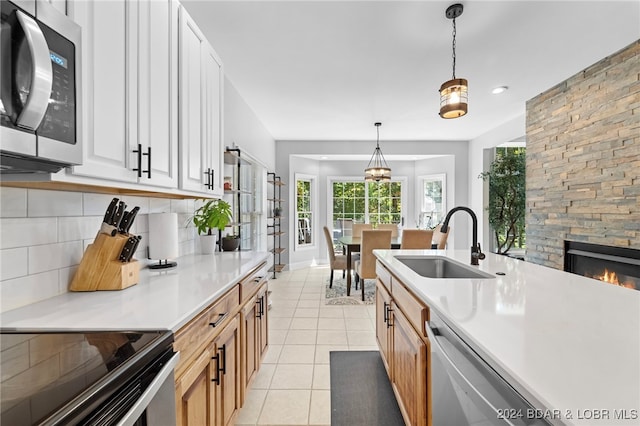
[352, 245]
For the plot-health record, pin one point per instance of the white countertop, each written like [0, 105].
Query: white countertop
[567, 342]
[160, 301]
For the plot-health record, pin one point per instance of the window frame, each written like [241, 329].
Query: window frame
[403, 180]
[421, 196]
[313, 196]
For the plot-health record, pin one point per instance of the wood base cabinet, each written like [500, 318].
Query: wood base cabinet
[254, 317]
[403, 347]
[220, 351]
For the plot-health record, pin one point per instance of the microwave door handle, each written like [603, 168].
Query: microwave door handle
[42, 77]
[460, 377]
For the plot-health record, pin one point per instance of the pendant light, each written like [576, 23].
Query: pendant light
[377, 170]
[454, 93]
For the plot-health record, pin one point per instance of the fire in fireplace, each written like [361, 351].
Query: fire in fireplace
[614, 265]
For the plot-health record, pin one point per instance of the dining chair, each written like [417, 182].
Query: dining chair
[439, 237]
[359, 227]
[416, 239]
[389, 227]
[346, 227]
[336, 261]
[366, 267]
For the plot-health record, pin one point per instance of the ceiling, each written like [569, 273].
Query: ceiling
[327, 70]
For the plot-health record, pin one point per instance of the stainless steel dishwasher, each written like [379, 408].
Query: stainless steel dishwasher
[467, 391]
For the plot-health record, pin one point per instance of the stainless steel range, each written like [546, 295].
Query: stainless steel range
[87, 378]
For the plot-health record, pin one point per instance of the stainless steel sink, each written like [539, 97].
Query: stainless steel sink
[441, 267]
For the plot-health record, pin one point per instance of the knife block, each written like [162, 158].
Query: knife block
[100, 268]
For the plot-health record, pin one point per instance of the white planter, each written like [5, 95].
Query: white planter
[208, 244]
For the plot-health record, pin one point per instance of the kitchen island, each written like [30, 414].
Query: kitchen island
[569, 344]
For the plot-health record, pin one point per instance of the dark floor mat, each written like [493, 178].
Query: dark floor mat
[361, 393]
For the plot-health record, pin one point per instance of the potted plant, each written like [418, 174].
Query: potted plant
[230, 242]
[213, 214]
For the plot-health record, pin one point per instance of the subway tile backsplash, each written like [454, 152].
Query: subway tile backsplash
[44, 235]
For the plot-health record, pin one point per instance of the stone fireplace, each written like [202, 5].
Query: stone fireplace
[583, 161]
[613, 265]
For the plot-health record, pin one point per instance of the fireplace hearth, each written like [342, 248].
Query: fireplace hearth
[614, 265]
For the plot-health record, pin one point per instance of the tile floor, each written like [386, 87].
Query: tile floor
[293, 386]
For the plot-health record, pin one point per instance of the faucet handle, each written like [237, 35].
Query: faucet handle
[480, 253]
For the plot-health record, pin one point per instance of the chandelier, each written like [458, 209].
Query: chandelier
[377, 170]
[454, 94]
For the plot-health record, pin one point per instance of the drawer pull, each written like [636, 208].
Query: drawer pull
[387, 310]
[223, 349]
[386, 313]
[217, 378]
[221, 318]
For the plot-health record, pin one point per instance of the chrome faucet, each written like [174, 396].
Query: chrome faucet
[476, 252]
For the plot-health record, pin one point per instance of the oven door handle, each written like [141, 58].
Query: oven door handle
[130, 418]
[464, 382]
[42, 77]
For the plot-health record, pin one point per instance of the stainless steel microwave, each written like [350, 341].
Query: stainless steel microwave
[39, 89]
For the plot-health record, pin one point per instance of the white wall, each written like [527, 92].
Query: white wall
[479, 161]
[244, 129]
[288, 163]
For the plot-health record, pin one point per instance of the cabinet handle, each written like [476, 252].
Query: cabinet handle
[217, 378]
[206, 185]
[148, 171]
[212, 176]
[140, 155]
[221, 318]
[139, 152]
[260, 303]
[386, 314]
[389, 325]
[223, 349]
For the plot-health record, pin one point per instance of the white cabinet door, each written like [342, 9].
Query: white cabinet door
[213, 113]
[157, 109]
[200, 113]
[105, 77]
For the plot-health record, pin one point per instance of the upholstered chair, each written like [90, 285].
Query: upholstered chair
[338, 262]
[366, 267]
[389, 227]
[416, 239]
[439, 237]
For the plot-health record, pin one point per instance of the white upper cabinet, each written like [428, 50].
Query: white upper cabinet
[200, 116]
[104, 82]
[158, 91]
[129, 75]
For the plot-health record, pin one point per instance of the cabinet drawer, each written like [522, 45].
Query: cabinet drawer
[191, 338]
[384, 276]
[414, 310]
[250, 285]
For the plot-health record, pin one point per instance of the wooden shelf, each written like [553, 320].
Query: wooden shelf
[277, 233]
[277, 267]
[278, 250]
[276, 182]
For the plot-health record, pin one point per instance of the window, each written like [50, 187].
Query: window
[433, 201]
[304, 214]
[364, 202]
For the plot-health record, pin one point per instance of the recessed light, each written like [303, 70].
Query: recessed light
[499, 89]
